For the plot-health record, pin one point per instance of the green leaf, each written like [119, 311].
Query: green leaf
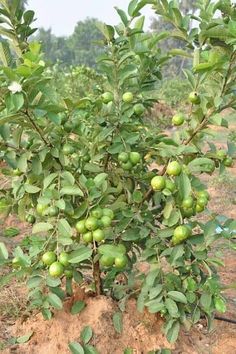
[55, 301]
[205, 301]
[132, 6]
[99, 179]
[42, 227]
[220, 304]
[34, 282]
[184, 185]
[31, 189]
[76, 348]
[173, 332]
[71, 191]
[49, 179]
[80, 254]
[128, 351]
[177, 296]
[3, 251]
[117, 321]
[64, 228]
[201, 164]
[89, 349]
[172, 307]
[110, 250]
[68, 177]
[47, 314]
[122, 15]
[24, 339]
[86, 334]
[155, 306]
[77, 307]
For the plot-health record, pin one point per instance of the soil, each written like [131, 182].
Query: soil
[141, 331]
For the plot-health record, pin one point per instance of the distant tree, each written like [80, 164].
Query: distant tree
[84, 42]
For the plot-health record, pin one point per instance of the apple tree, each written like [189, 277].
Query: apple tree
[79, 169]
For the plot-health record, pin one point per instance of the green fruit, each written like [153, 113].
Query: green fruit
[69, 209]
[91, 223]
[134, 157]
[56, 269]
[53, 211]
[30, 219]
[108, 212]
[41, 208]
[174, 168]
[178, 119]
[98, 235]
[228, 162]
[128, 97]
[80, 227]
[203, 194]
[107, 97]
[17, 172]
[123, 157]
[194, 98]
[188, 212]
[139, 109]
[121, 248]
[88, 237]
[106, 221]
[97, 213]
[68, 149]
[107, 261]
[221, 154]
[187, 203]
[68, 273]
[170, 185]
[127, 166]
[202, 201]
[68, 127]
[199, 208]
[181, 233]
[49, 257]
[64, 259]
[121, 261]
[158, 183]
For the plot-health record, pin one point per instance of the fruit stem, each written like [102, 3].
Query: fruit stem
[97, 278]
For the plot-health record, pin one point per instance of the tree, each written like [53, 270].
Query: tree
[80, 171]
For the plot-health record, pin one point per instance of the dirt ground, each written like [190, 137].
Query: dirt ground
[141, 332]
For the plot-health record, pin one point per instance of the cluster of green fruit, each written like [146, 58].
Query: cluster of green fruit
[119, 261]
[159, 183]
[222, 156]
[127, 97]
[195, 204]
[181, 233]
[57, 267]
[128, 160]
[92, 227]
[44, 210]
[69, 150]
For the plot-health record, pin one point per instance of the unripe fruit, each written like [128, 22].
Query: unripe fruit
[202, 201]
[174, 168]
[199, 208]
[97, 213]
[203, 194]
[139, 109]
[194, 98]
[91, 223]
[68, 127]
[188, 212]
[107, 97]
[30, 219]
[187, 203]
[106, 261]
[127, 97]
[228, 162]
[98, 235]
[123, 157]
[68, 149]
[178, 119]
[53, 211]
[158, 183]
[88, 237]
[221, 154]
[121, 247]
[108, 212]
[106, 221]
[127, 165]
[49, 257]
[56, 269]
[40, 208]
[64, 259]
[121, 262]
[134, 157]
[68, 273]
[181, 233]
[80, 227]
[170, 185]
[17, 172]
[86, 158]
